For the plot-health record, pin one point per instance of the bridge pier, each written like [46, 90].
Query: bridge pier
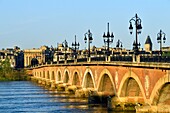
[62, 86]
[47, 83]
[53, 85]
[39, 81]
[115, 104]
[84, 92]
[146, 109]
[72, 88]
[34, 79]
[43, 82]
[153, 109]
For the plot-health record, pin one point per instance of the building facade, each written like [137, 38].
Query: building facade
[15, 56]
[37, 56]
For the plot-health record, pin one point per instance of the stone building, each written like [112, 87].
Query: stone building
[37, 56]
[148, 44]
[15, 56]
[62, 53]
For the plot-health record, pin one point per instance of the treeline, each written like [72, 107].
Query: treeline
[7, 73]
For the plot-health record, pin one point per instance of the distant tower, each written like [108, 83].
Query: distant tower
[148, 44]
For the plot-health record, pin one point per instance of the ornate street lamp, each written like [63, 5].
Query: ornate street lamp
[108, 39]
[65, 48]
[75, 47]
[88, 40]
[161, 35]
[138, 27]
[119, 44]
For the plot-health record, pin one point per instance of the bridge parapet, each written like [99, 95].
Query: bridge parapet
[156, 65]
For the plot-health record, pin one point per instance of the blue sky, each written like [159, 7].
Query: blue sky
[33, 23]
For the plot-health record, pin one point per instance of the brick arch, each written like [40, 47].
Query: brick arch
[134, 78]
[40, 74]
[66, 77]
[52, 75]
[76, 78]
[109, 80]
[35, 74]
[43, 73]
[88, 79]
[58, 75]
[47, 74]
[155, 94]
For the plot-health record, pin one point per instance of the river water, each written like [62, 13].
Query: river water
[26, 96]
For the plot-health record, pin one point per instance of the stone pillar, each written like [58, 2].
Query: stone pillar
[108, 59]
[105, 58]
[75, 60]
[65, 62]
[113, 102]
[89, 59]
[29, 61]
[136, 58]
[25, 61]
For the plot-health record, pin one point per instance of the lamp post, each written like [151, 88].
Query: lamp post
[75, 47]
[108, 39]
[65, 48]
[88, 40]
[161, 35]
[119, 44]
[138, 27]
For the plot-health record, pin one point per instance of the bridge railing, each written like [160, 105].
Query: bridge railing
[115, 58]
[82, 60]
[152, 65]
[121, 58]
[155, 59]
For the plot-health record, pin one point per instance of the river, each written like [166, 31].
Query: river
[26, 96]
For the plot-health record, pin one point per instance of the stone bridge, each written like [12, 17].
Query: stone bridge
[147, 85]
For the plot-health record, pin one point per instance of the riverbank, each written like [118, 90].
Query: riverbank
[8, 73]
[14, 75]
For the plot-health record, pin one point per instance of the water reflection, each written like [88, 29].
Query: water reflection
[25, 96]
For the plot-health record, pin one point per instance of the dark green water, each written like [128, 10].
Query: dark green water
[25, 96]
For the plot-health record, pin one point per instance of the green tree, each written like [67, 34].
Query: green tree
[8, 73]
[5, 69]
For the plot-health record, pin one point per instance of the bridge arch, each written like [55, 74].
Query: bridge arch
[88, 79]
[105, 83]
[76, 79]
[43, 74]
[35, 74]
[52, 75]
[40, 74]
[66, 76]
[47, 75]
[131, 86]
[58, 75]
[161, 91]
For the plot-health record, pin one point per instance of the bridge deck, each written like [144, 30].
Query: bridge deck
[153, 65]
